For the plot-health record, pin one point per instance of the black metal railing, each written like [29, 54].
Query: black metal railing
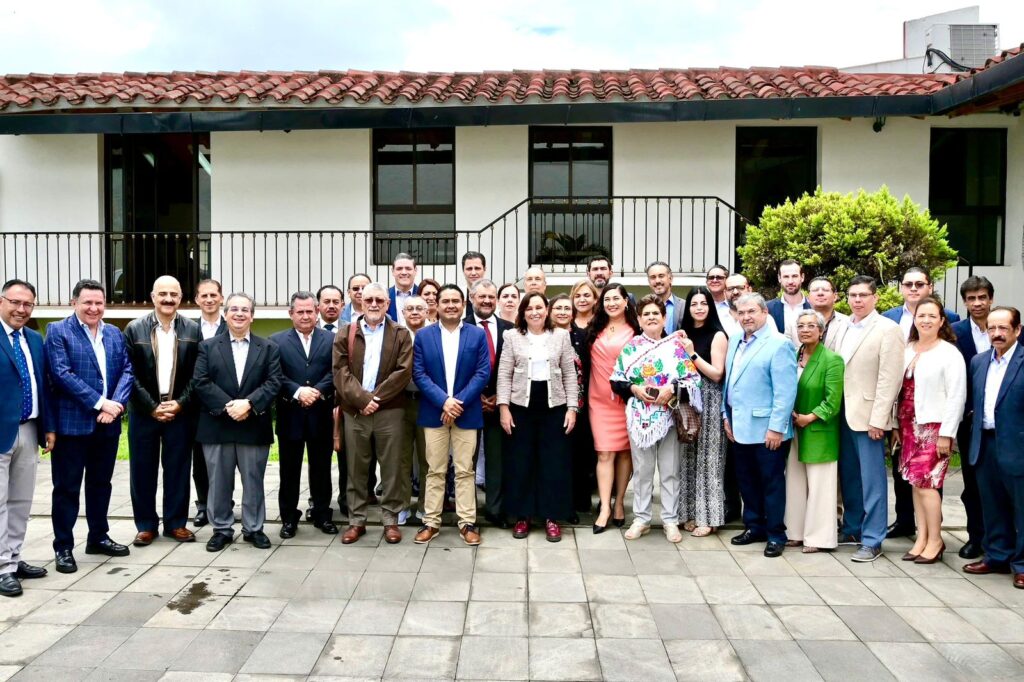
[689, 233]
[949, 286]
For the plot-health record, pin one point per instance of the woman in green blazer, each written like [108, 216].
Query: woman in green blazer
[812, 470]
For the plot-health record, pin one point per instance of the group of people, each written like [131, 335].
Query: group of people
[427, 391]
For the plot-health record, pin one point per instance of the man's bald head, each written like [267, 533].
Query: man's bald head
[535, 281]
[166, 296]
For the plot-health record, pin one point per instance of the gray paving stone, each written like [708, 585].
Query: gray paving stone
[501, 560]
[128, 609]
[309, 615]
[354, 656]
[557, 587]
[303, 651]
[225, 580]
[845, 661]
[879, 568]
[69, 607]
[217, 651]
[560, 620]
[749, 621]
[820, 564]
[85, 646]
[275, 583]
[877, 624]
[448, 560]
[442, 586]
[659, 563]
[844, 592]
[477, 659]
[341, 558]
[112, 577]
[16, 609]
[303, 557]
[964, 593]
[553, 561]
[320, 584]
[48, 673]
[150, 649]
[613, 589]
[408, 662]
[405, 557]
[671, 589]
[497, 619]
[1001, 589]
[612, 539]
[701, 661]
[629, 660]
[109, 675]
[194, 607]
[728, 590]
[909, 661]
[437, 619]
[940, 624]
[374, 617]
[711, 563]
[564, 659]
[498, 587]
[385, 587]
[785, 590]
[755, 564]
[775, 660]
[632, 621]
[606, 562]
[184, 676]
[999, 625]
[901, 592]
[813, 622]
[686, 621]
[248, 613]
[164, 579]
[981, 661]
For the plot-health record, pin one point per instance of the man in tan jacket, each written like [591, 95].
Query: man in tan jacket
[872, 348]
[372, 368]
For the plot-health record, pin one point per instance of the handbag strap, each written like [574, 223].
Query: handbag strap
[351, 342]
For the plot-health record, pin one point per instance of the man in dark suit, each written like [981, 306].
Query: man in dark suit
[997, 399]
[451, 368]
[484, 296]
[659, 277]
[237, 377]
[91, 377]
[914, 287]
[403, 271]
[25, 425]
[304, 418]
[372, 368]
[210, 299]
[971, 339]
[163, 347]
[785, 309]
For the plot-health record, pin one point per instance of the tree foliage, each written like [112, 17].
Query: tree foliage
[843, 235]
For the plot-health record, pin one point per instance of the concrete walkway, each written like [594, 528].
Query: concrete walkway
[588, 608]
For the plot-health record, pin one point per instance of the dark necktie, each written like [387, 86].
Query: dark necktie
[490, 340]
[329, 327]
[26, 379]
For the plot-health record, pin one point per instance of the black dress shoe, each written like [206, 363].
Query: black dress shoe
[971, 550]
[9, 585]
[309, 514]
[108, 547]
[288, 529]
[498, 521]
[573, 519]
[898, 531]
[747, 537]
[65, 561]
[217, 542]
[28, 571]
[326, 527]
[201, 519]
[774, 549]
[257, 539]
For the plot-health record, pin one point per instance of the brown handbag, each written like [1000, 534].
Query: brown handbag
[685, 416]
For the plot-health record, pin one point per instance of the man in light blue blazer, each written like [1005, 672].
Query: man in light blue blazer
[757, 407]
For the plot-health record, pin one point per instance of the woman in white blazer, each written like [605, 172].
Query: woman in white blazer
[928, 411]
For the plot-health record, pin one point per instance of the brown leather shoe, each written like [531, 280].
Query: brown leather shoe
[181, 535]
[1018, 581]
[392, 535]
[470, 534]
[981, 568]
[144, 538]
[352, 533]
[425, 535]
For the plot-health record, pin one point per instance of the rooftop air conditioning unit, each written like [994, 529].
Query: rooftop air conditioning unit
[967, 44]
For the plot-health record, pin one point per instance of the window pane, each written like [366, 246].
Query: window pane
[434, 165]
[414, 222]
[205, 174]
[394, 159]
[551, 169]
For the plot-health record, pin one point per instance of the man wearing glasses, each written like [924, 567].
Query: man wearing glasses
[715, 278]
[354, 307]
[735, 286]
[372, 367]
[238, 375]
[915, 286]
[25, 425]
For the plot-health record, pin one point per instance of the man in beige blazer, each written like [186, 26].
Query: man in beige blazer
[872, 348]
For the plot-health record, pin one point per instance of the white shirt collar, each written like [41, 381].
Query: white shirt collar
[99, 326]
[246, 338]
[8, 329]
[1006, 356]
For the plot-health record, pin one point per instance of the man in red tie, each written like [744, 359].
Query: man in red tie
[484, 296]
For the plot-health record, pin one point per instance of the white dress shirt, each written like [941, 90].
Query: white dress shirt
[209, 329]
[729, 323]
[101, 355]
[23, 342]
[907, 322]
[790, 313]
[165, 347]
[400, 298]
[854, 333]
[374, 337]
[240, 352]
[540, 368]
[993, 380]
[450, 352]
[333, 325]
[982, 344]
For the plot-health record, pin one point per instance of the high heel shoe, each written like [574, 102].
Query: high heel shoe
[598, 529]
[934, 560]
[910, 557]
[619, 523]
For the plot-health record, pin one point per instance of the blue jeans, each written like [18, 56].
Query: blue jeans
[865, 488]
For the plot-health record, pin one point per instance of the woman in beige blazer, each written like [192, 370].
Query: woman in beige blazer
[537, 401]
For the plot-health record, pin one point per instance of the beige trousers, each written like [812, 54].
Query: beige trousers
[463, 446]
[811, 501]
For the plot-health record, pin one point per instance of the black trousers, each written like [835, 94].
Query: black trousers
[74, 458]
[199, 476]
[154, 444]
[761, 474]
[584, 480]
[318, 454]
[494, 471]
[537, 460]
[970, 496]
[730, 484]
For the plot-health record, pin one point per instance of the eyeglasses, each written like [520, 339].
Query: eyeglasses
[374, 301]
[715, 277]
[20, 304]
[415, 309]
[915, 285]
[739, 287]
[236, 309]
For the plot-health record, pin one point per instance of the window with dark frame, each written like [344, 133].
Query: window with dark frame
[414, 195]
[967, 190]
[570, 192]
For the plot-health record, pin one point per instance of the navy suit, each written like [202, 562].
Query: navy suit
[301, 427]
[393, 307]
[997, 456]
[10, 417]
[777, 311]
[84, 447]
[969, 496]
[472, 373]
[896, 313]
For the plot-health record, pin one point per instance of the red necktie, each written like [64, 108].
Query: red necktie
[490, 340]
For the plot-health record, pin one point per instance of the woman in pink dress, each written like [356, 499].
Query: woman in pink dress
[615, 323]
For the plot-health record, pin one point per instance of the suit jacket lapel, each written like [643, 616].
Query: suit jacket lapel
[229, 359]
[84, 336]
[8, 348]
[812, 368]
[1011, 372]
[255, 348]
[748, 355]
[867, 332]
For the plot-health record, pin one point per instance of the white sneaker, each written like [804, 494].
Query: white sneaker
[637, 530]
[672, 533]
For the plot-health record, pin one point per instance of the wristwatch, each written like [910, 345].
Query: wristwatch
[693, 357]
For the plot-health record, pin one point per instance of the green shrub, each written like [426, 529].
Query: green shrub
[840, 236]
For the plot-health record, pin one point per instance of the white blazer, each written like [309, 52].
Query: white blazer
[940, 386]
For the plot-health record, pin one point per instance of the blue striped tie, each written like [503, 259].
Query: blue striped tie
[26, 379]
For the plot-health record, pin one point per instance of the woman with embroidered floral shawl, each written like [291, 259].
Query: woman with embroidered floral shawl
[646, 373]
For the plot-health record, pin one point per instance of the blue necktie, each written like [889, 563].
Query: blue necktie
[26, 380]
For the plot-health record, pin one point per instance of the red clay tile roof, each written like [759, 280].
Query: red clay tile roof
[40, 92]
[1001, 57]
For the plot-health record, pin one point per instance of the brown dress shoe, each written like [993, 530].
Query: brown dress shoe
[352, 533]
[470, 534]
[981, 568]
[392, 535]
[144, 538]
[425, 535]
[1018, 581]
[181, 535]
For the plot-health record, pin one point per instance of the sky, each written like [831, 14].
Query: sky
[69, 36]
